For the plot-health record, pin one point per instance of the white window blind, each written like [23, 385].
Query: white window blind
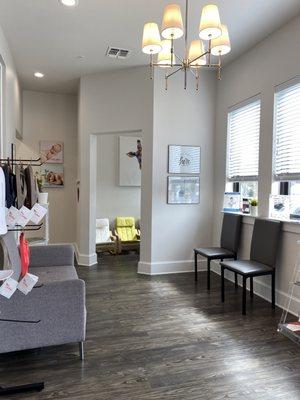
[287, 133]
[243, 142]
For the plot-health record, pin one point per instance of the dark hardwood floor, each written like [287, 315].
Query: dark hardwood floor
[163, 337]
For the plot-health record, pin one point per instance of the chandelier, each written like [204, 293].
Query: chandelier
[205, 52]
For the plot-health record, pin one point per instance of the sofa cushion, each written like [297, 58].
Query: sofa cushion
[54, 274]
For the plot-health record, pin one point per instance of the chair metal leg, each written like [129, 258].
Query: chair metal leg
[196, 266]
[273, 290]
[81, 351]
[222, 284]
[208, 274]
[251, 287]
[244, 295]
[235, 275]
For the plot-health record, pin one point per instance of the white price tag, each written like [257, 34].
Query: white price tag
[38, 213]
[24, 216]
[12, 216]
[8, 288]
[27, 283]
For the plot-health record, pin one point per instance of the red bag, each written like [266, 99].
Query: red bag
[24, 254]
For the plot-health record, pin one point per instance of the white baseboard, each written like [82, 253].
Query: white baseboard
[263, 290]
[169, 267]
[85, 260]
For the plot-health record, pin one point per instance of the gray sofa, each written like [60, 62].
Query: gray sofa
[53, 313]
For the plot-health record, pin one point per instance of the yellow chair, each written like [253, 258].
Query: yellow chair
[127, 234]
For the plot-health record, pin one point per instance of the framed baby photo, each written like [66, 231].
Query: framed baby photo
[52, 176]
[52, 152]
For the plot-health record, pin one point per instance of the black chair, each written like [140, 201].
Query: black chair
[264, 245]
[230, 237]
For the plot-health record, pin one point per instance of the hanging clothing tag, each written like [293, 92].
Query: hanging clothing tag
[24, 216]
[27, 283]
[8, 288]
[38, 213]
[12, 216]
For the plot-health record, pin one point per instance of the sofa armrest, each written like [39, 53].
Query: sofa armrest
[54, 255]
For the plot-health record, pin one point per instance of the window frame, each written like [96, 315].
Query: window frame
[231, 109]
[279, 88]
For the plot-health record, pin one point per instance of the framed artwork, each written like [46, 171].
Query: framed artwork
[52, 152]
[130, 161]
[232, 202]
[279, 207]
[184, 159]
[52, 176]
[183, 190]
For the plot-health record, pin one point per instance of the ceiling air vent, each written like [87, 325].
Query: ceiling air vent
[115, 52]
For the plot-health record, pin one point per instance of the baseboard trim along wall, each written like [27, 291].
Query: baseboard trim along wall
[169, 267]
[85, 260]
[263, 290]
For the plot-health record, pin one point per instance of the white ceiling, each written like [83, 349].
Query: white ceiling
[45, 36]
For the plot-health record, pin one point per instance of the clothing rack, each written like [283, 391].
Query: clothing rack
[37, 162]
[38, 386]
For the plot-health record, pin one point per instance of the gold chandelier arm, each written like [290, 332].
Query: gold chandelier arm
[197, 58]
[173, 73]
[219, 68]
[167, 65]
[209, 52]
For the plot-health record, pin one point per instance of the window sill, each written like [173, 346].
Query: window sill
[292, 226]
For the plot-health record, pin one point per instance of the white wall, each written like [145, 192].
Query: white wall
[48, 116]
[113, 200]
[273, 61]
[12, 97]
[110, 103]
[181, 117]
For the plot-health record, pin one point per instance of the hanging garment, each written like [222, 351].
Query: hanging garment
[10, 186]
[3, 227]
[24, 255]
[20, 186]
[32, 193]
[11, 254]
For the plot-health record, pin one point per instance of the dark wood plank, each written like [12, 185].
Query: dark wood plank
[164, 337]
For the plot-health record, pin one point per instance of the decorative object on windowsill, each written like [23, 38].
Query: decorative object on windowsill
[197, 55]
[232, 201]
[279, 207]
[183, 190]
[254, 207]
[246, 206]
[184, 159]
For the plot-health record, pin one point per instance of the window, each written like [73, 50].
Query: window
[287, 133]
[243, 147]
[286, 148]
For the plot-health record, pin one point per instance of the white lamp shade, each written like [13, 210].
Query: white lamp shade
[172, 25]
[210, 25]
[196, 50]
[221, 45]
[164, 57]
[151, 39]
